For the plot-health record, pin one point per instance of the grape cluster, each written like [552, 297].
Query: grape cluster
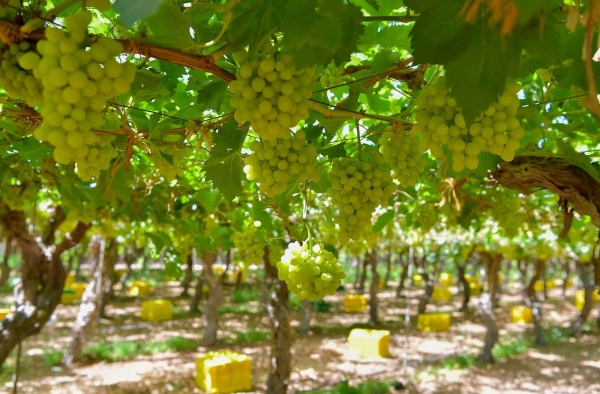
[508, 214]
[271, 94]
[401, 151]
[426, 215]
[440, 122]
[358, 188]
[178, 153]
[310, 273]
[273, 163]
[332, 76]
[249, 247]
[18, 82]
[76, 84]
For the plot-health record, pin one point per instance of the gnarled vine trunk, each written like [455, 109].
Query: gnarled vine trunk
[189, 276]
[403, 276]
[535, 304]
[5, 274]
[89, 310]
[109, 276]
[492, 263]
[485, 311]
[522, 267]
[388, 268]
[215, 293]
[305, 317]
[42, 280]
[585, 271]
[281, 333]
[358, 263]
[363, 276]
[565, 272]
[374, 289]
[465, 286]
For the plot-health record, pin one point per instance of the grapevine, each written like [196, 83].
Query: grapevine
[310, 272]
[401, 151]
[440, 122]
[358, 188]
[271, 94]
[273, 163]
[76, 84]
[332, 76]
[249, 247]
[17, 81]
[426, 215]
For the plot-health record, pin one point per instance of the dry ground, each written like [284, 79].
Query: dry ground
[323, 356]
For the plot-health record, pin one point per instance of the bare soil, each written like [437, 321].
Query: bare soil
[322, 357]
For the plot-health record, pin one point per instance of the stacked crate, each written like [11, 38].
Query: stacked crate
[370, 343]
[224, 372]
[355, 303]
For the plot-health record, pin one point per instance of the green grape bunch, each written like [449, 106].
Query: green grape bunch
[426, 215]
[250, 248]
[274, 163]
[310, 272]
[401, 151]
[332, 75]
[357, 188]
[77, 81]
[16, 80]
[271, 94]
[440, 121]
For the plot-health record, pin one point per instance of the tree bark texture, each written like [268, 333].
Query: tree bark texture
[358, 263]
[281, 332]
[4, 267]
[42, 280]
[485, 311]
[565, 272]
[109, 277]
[535, 304]
[522, 267]
[571, 183]
[403, 275]
[215, 293]
[89, 310]
[460, 268]
[374, 289]
[585, 271]
[189, 276]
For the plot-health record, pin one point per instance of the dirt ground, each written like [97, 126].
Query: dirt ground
[322, 357]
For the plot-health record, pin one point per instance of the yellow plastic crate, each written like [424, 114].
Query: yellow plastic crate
[79, 288]
[224, 372]
[476, 288]
[434, 322]
[500, 277]
[446, 279]
[381, 284]
[441, 294]
[218, 270]
[68, 297]
[157, 310]
[3, 313]
[370, 343]
[355, 303]
[569, 283]
[70, 279]
[417, 279]
[232, 276]
[470, 278]
[539, 285]
[520, 314]
[553, 283]
[580, 298]
[140, 289]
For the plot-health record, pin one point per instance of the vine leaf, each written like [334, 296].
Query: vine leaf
[315, 32]
[170, 28]
[383, 220]
[477, 58]
[209, 199]
[224, 166]
[578, 159]
[134, 10]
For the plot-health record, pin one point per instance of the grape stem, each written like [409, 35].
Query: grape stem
[358, 138]
[37, 23]
[342, 112]
[592, 101]
[285, 220]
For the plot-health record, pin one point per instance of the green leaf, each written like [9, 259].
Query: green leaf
[159, 125]
[383, 220]
[334, 151]
[212, 93]
[224, 166]
[577, 159]
[260, 212]
[170, 27]
[384, 60]
[209, 199]
[134, 10]
[317, 32]
[159, 239]
[29, 149]
[543, 41]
